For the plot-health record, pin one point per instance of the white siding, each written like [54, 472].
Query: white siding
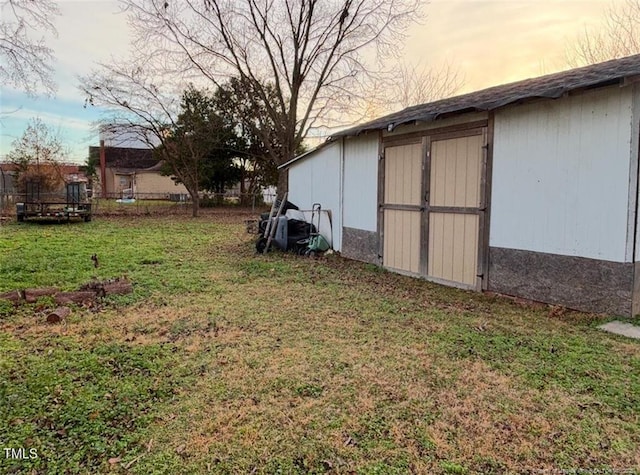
[361, 182]
[634, 190]
[317, 179]
[561, 175]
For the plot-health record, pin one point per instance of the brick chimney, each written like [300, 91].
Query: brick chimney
[103, 169]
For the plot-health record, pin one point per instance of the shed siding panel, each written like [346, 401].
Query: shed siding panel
[402, 240]
[453, 249]
[634, 193]
[455, 172]
[403, 174]
[157, 185]
[361, 182]
[317, 180]
[561, 175]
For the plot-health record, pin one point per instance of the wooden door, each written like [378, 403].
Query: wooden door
[454, 209]
[403, 207]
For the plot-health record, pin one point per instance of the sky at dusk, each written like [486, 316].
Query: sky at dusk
[489, 42]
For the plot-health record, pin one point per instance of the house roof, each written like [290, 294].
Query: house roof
[123, 157]
[64, 168]
[552, 86]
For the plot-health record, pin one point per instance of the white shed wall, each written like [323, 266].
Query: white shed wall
[634, 190]
[361, 182]
[317, 179]
[561, 175]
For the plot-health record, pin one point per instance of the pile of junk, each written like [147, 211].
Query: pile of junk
[288, 228]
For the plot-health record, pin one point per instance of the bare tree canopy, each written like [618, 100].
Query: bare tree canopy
[312, 52]
[408, 85]
[37, 155]
[617, 36]
[25, 59]
[196, 134]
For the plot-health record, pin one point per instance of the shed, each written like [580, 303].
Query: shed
[528, 189]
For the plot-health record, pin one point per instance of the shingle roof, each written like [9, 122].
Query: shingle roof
[551, 86]
[121, 157]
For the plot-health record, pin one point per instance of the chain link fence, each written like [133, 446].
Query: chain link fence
[153, 203]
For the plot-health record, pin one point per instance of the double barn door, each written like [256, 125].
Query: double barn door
[433, 207]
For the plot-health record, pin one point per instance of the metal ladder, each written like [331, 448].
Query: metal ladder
[270, 229]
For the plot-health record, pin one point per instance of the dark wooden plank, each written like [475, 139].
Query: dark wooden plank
[478, 124]
[486, 215]
[401, 207]
[424, 224]
[454, 210]
[458, 134]
[381, 175]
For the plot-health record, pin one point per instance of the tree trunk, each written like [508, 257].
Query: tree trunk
[244, 199]
[31, 295]
[195, 204]
[79, 297]
[283, 182]
[120, 287]
[57, 315]
[15, 296]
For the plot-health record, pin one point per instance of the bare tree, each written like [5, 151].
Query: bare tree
[617, 36]
[408, 85]
[25, 61]
[37, 156]
[312, 52]
[141, 105]
[418, 84]
[184, 128]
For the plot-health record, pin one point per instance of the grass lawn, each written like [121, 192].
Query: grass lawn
[222, 361]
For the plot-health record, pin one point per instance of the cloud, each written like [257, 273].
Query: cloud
[89, 32]
[75, 132]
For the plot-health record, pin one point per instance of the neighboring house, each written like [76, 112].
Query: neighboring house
[125, 172]
[528, 189]
[70, 173]
[7, 179]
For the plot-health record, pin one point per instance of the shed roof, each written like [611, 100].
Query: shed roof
[551, 86]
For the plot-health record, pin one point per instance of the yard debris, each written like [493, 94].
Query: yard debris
[15, 296]
[130, 464]
[109, 287]
[81, 297]
[59, 314]
[86, 296]
[32, 295]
